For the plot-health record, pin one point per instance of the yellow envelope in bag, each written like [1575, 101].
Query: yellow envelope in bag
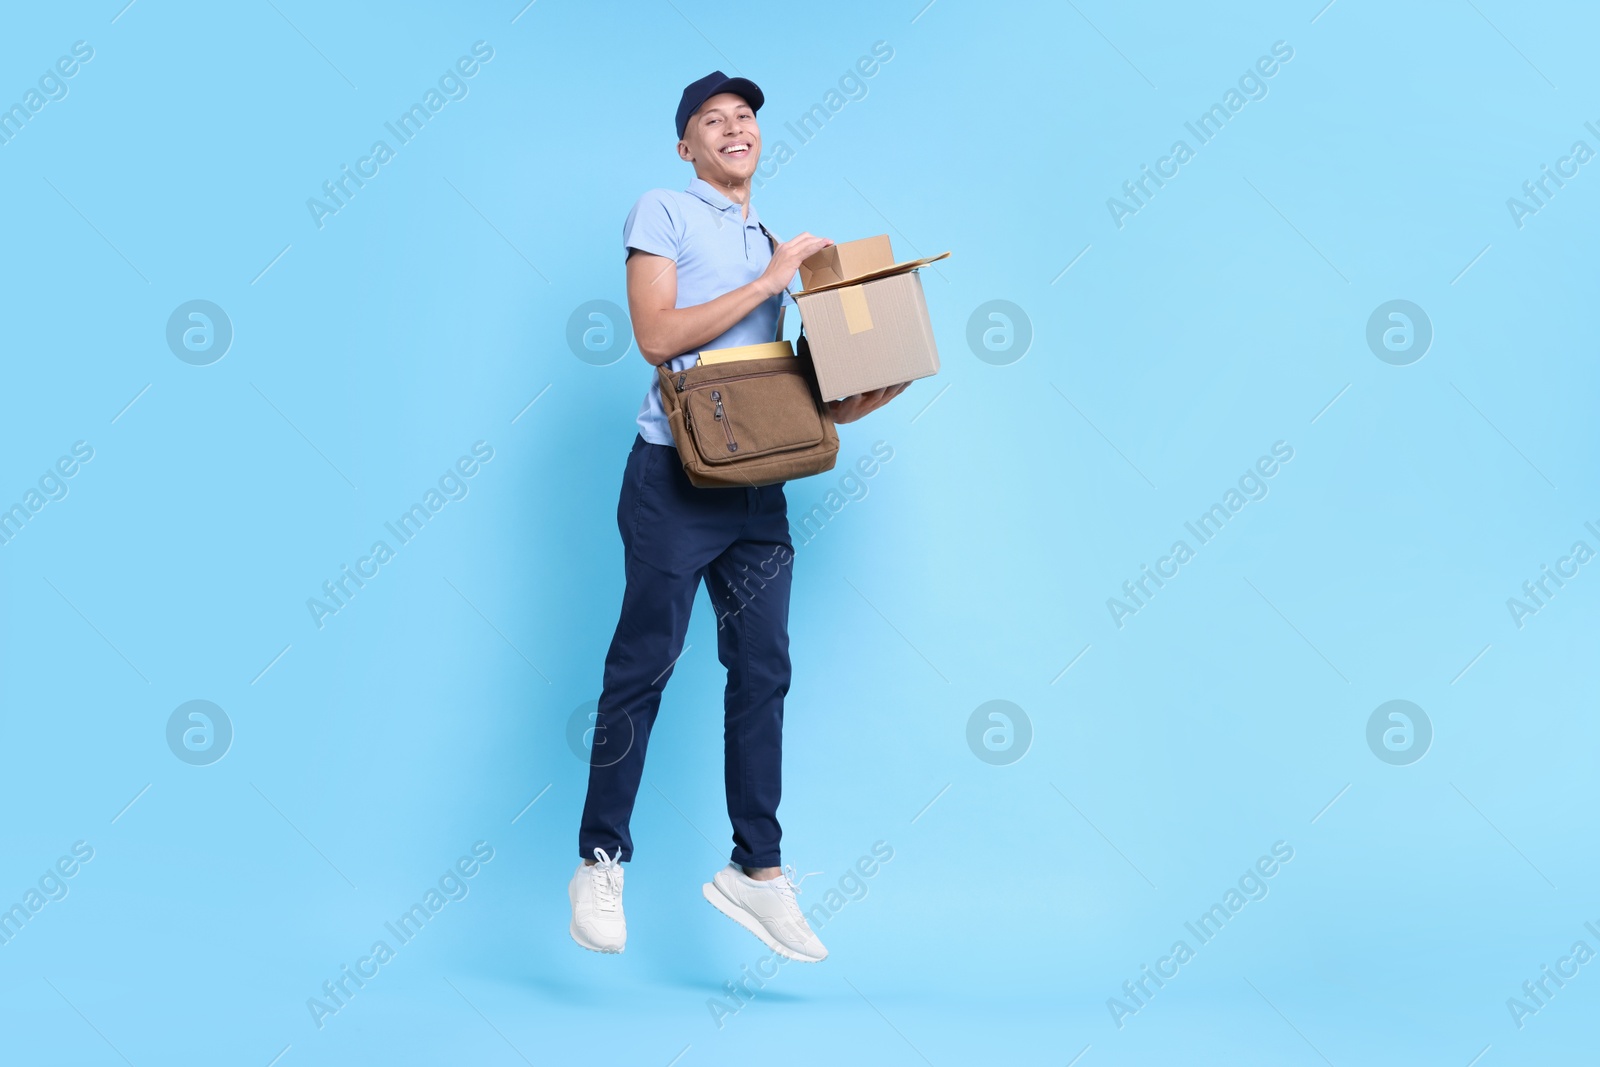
[763, 351]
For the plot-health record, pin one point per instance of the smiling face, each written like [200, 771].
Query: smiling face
[722, 140]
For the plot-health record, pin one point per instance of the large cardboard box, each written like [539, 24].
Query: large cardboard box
[865, 317]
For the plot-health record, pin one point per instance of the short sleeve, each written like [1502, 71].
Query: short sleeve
[654, 225]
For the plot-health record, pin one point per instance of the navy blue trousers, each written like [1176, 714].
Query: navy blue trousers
[675, 535]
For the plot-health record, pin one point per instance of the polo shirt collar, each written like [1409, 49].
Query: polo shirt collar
[706, 191]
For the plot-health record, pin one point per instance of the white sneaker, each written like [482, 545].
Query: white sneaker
[767, 909]
[596, 893]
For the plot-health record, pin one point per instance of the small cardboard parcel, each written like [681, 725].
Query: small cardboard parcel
[865, 317]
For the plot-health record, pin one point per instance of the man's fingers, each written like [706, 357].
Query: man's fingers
[882, 392]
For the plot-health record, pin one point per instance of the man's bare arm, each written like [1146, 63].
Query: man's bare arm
[664, 330]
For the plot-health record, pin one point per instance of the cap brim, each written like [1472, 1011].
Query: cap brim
[743, 87]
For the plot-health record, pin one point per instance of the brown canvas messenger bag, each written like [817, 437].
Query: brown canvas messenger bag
[750, 422]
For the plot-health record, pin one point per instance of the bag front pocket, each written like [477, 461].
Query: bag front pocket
[759, 413]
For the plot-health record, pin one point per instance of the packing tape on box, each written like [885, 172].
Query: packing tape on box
[853, 302]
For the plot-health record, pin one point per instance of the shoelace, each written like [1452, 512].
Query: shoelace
[788, 885]
[607, 880]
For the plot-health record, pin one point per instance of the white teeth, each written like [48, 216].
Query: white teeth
[734, 148]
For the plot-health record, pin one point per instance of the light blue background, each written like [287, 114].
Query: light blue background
[1227, 715]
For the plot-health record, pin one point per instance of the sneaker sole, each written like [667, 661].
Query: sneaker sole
[719, 900]
[572, 928]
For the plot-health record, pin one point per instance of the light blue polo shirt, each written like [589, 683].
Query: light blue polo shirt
[717, 250]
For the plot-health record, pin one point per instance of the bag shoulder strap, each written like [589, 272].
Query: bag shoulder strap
[781, 308]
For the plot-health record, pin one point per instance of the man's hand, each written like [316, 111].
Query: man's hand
[786, 259]
[852, 408]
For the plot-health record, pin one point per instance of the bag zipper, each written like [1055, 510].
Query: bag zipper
[727, 427]
[718, 381]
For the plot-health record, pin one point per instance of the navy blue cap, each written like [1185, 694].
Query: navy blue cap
[716, 82]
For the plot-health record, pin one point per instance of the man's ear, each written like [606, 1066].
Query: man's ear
[683, 151]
